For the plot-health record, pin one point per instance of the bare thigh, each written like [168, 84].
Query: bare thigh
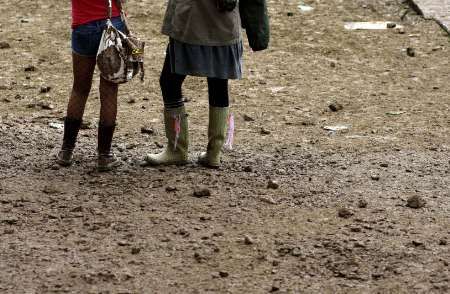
[83, 71]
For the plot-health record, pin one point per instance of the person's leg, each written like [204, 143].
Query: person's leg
[218, 117]
[83, 70]
[108, 100]
[171, 85]
[107, 124]
[218, 92]
[175, 119]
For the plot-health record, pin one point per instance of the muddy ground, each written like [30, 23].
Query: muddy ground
[339, 222]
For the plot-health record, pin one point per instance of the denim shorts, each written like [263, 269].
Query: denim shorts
[86, 37]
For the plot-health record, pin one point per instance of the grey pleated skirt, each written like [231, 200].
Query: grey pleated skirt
[222, 62]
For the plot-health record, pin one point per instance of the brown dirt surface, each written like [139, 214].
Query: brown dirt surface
[337, 220]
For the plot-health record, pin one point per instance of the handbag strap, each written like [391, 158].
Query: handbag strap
[122, 14]
[124, 17]
[109, 9]
[119, 5]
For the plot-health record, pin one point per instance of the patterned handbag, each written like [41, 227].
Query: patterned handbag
[120, 55]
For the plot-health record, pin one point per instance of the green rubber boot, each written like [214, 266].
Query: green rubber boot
[218, 117]
[176, 152]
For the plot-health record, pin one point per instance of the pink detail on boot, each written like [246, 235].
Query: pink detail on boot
[177, 129]
[230, 132]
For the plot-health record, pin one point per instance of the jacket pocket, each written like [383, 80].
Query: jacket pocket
[181, 15]
[228, 25]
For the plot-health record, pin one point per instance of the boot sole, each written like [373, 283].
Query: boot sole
[208, 165]
[64, 163]
[108, 168]
[146, 163]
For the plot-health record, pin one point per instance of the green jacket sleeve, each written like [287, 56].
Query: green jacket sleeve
[255, 20]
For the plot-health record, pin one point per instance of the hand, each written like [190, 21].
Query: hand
[226, 5]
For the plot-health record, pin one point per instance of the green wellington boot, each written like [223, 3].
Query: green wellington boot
[177, 133]
[218, 117]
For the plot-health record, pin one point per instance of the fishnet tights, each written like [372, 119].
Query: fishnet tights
[83, 71]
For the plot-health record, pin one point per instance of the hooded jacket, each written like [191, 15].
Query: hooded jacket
[199, 22]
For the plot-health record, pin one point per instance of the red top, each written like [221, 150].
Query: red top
[84, 11]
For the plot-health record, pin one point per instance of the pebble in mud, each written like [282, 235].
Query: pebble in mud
[46, 105]
[355, 229]
[135, 250]
[345, 213]
[265, 131]
[362, 203]
[201, 192]
[4, 45]
[77, 209]
[88, 125]
[248, 169]
[248, 240]
[296, 252]
[30, 68]
[171, 189]
[11, 221]
[415, 202]
[49, 189]
[275, 288]
[411, 52]
[417, 243]
[198, 257]
[268, 200]
[391, 25]
[248, 118]
[8, 231]
[123, 243]
[335, 106]
[45, 89]
[147, 130]
[272, 184]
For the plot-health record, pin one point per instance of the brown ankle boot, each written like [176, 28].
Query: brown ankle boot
[71, 129]
[106, 159]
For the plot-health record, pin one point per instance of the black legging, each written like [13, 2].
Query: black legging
[171, 84]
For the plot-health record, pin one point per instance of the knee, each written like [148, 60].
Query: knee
[81, 89]
[164, 82]
[171, 86]
[218, 92]
[108, 88]
[218, 85]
